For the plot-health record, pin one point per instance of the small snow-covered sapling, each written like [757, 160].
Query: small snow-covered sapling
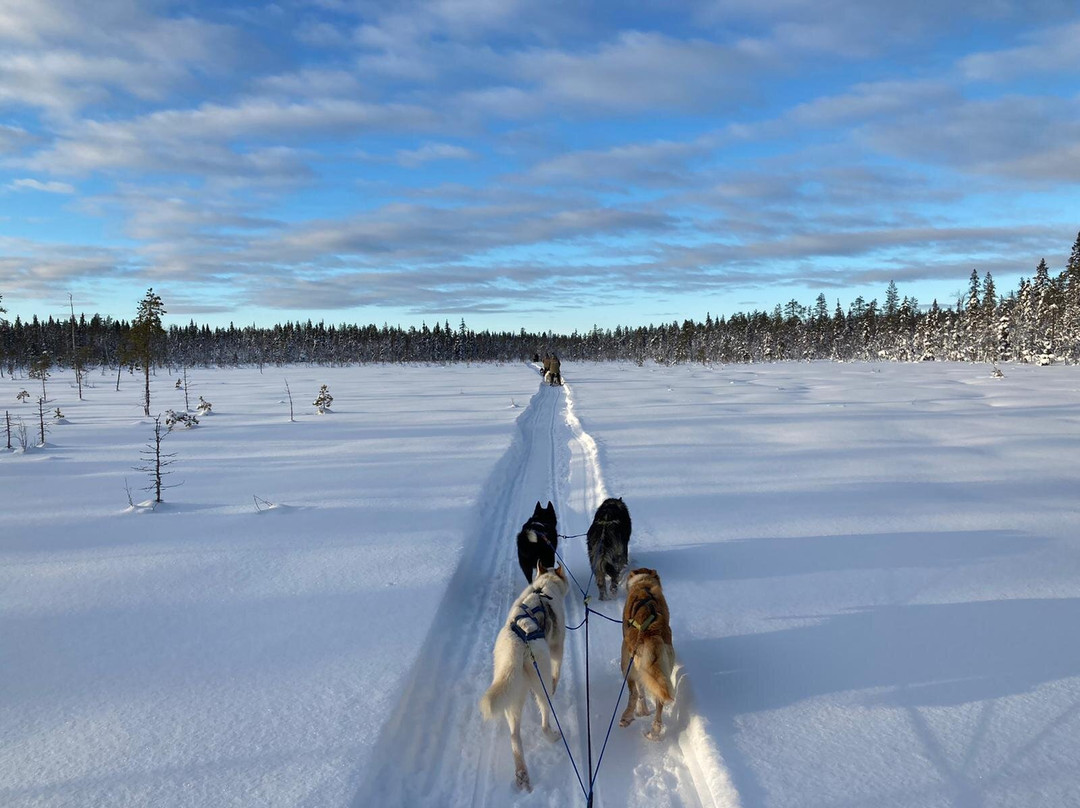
[23, 396]
[172, 419]
[204, 406]
[323, 401]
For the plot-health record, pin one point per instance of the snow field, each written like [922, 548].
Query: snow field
[207, 653]
[873, 572]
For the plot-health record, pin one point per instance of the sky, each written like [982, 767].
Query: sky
[547, 166]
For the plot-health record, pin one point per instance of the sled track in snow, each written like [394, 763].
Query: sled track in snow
[435, 749]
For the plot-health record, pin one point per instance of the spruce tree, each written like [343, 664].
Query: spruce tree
[1071, 314]
[892, 300]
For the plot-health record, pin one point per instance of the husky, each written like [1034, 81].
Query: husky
[608, 540]
[647, 640]
[535, 629]
[537, 540]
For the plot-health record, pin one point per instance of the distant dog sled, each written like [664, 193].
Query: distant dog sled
[552, 369]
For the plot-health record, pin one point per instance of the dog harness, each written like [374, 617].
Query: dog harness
[540, 529]
[650, 602]
[530, 623]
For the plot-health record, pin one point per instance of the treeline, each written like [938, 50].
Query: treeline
[1037, 322]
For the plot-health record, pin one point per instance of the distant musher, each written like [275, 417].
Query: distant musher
[552, 370]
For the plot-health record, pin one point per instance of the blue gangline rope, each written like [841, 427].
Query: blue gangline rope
[562, 735]
[611, 723]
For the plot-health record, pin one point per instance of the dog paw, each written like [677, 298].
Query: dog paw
[626, 720]
[522, 781]
[654, 734]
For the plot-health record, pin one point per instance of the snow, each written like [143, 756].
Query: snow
[873, 572]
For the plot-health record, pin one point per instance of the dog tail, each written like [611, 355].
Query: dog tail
[509, 657]
[654, 669]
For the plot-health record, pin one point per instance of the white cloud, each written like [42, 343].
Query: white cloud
[37, 185]
[642, 71]
[1053, 50]
[209, 139]
[1028, 138]
[61, 55]
[428, 152]
[865, 102]
[14, 138]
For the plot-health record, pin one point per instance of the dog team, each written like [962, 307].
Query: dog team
[529, 647]
[551, 368]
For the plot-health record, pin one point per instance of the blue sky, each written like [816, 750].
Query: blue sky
[528, 165]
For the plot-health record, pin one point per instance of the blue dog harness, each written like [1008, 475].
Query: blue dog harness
[530, 623]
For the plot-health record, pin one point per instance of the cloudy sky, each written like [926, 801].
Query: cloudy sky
[528, 164]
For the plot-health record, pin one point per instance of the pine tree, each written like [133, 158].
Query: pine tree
[146, 333]
[39, 369]
[155, 461]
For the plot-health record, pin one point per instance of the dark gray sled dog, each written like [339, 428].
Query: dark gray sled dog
[608, 539]
[537, 540]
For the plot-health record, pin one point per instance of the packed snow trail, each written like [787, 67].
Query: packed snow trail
[435, 750]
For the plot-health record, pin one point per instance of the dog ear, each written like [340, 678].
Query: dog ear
[540, 568]
[560, 571]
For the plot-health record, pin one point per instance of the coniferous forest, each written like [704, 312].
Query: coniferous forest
[1037, 322]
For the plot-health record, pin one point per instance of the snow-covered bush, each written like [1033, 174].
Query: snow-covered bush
[204, 406]
[183, 419]
[323, 401]
[23, 396]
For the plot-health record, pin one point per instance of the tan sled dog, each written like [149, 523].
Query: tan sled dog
[534, 629]
[647, 638]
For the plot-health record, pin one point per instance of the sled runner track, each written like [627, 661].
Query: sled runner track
[684, 768]
[435, 750]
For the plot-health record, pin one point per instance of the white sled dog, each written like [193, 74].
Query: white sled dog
[535, 628]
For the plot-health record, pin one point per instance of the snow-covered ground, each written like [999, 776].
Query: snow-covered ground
[873, 571]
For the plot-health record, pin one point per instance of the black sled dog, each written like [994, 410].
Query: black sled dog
[537, 540]
[608, 540]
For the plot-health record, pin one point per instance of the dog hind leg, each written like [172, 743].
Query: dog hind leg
[543, 663]
[635, 705]
[612, 571]
[657, 730]
[632, 686]
[521, 774]
[556, 650]
[601, 584]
